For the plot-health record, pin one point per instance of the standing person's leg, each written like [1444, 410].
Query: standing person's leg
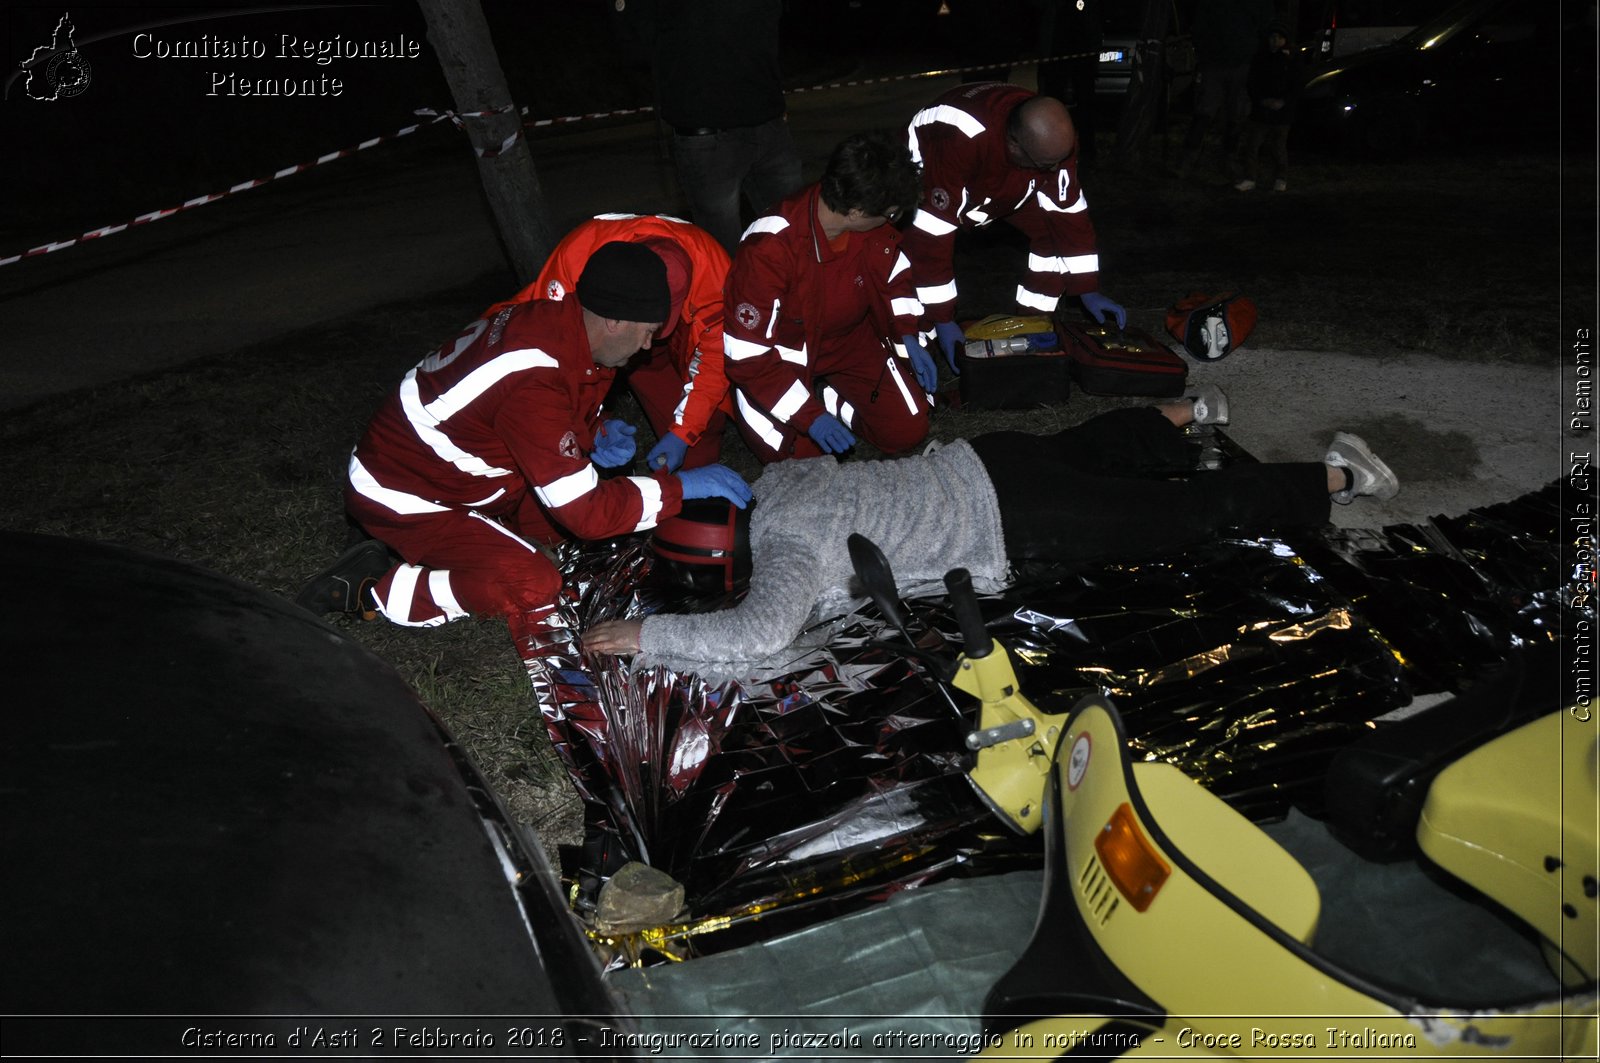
[1235, 110]
[775, 170]
[1249, 155]
[1278, 145]
[711, 168]
[873, 391]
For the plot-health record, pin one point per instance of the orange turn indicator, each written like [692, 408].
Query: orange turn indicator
[1132, 863]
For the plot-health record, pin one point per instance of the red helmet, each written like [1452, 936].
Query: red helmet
[705, 548]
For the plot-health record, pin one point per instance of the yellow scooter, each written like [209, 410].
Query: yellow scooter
[1173, 927]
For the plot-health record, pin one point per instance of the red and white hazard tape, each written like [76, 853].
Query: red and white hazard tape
[455, 117]
[200, 201]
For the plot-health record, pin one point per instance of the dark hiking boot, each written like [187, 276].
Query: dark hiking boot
[346, 585]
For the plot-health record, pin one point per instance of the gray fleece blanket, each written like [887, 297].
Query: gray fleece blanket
[929, 514]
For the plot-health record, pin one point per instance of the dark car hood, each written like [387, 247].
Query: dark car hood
[214, 803]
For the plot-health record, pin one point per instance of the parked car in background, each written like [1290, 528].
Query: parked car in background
[1344, 27]
[1483, 75]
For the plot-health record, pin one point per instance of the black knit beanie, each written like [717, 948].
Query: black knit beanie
[625, 282]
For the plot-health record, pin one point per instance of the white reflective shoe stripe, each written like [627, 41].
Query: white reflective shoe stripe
[1077, 205]
[737, 350]
[1035, 301]
[900, 382]
[763, 428]
[791, 401]
[394, 501]
[1063, 263]
[937, 293]
[932, 224]
[568, 488]
[443, 596]
[649, 499]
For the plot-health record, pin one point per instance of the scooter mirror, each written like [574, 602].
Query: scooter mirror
[873, 570]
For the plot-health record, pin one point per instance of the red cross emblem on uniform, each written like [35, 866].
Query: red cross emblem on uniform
[748, 315]
[568, 446]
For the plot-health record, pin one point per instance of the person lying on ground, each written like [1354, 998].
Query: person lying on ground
[1090, 492]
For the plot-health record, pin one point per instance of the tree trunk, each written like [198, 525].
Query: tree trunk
[1148, 87]
[460, 38]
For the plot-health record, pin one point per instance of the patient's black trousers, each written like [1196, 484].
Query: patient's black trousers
[1104, 489]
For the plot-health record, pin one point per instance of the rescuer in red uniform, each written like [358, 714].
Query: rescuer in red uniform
[681, 386]
[820, 294]
[490, 448]
[991, 151]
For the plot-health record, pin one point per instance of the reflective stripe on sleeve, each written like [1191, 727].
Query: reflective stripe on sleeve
[737, 350]
[649, 500]
[835, 404]
[905, 306]
[764, 429]
[568, 488]
[937, 293]
[901, 264]
[1034, 301]
[792, 400]
[797, 355]
[932, 224]
[1063, 263]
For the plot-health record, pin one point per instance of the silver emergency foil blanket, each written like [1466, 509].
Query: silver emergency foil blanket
[783, 798]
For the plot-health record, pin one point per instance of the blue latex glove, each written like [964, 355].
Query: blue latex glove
[667, 453]
[715, 481]
[1099, 306]
[613, 444]
[831, 435]
[921, 363]
[952, 341]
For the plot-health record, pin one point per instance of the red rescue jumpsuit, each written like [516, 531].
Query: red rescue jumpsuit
[483, 452]
[681, 386]
[800, 310]
[968, 181]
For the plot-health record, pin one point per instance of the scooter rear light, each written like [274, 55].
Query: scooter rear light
[1131, 862]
